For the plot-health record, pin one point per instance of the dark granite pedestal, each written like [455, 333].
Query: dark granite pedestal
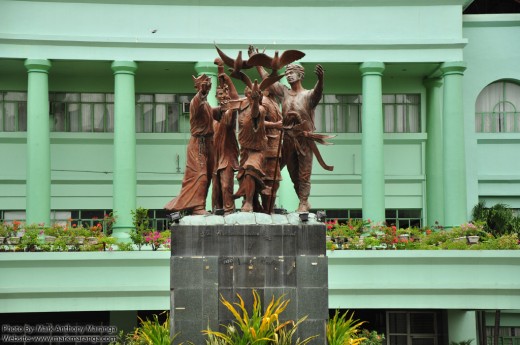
[209, 261]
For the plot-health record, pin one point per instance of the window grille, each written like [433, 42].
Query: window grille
[162, 113]
[404, 218]
[401, 113]
[413, 328]
[342, 113]
[13, 111]
[94, 112]
[497, 109]
[82, 112]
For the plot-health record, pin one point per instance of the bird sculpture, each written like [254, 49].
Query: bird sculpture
[277, 62]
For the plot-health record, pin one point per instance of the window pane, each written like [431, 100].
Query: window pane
[110, 117]
[99, 116]
[160, 118]
[413, 118]
[173, 118]
[15, 96]
[497, 108]
[141, 98]
[388, 111]
[397, 322]
[92, 97]
[58, 115]
[86, 117]
[147, 118]
[74, 119]
[164, 98]
[10, 117]
[388, 99]
[354, 116]
[319, 118]
[22, 117]
[409, 213]
[400, 119]
[422, 323]
[1, 116]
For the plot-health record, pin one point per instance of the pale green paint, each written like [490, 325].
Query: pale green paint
[125, 176]
[462, 325]
[434, 159]
[437, 279]
[109, 281]
[488, 155]
[373, 174]
[60, 30]
[454, 167]
[38, 143]
[463, 280]
[485, 32]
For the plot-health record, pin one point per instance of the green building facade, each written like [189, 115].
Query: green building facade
[424, 102]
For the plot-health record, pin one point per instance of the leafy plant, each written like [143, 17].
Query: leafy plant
[258, 327]
[125, 246]
[153, 332]
[30, 240]
[285, 335]
[498, 219]
[108, 222]
[370, 337]
[141, 226]
[149, 332]
[342, 331]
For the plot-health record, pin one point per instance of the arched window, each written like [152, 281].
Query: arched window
[498, 108]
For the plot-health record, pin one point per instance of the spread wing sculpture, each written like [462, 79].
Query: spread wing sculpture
[277, 62]
[238, 64]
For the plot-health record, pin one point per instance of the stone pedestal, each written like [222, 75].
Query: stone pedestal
[225, 258]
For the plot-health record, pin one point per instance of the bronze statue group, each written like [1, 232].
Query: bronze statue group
[269, 138]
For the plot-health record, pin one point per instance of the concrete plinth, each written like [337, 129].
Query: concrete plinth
[275, 259]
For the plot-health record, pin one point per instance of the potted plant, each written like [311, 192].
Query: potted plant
[30, 239]
[472, 231]
[14, 237]
[4, 232]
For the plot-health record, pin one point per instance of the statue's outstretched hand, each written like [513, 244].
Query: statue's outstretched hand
[319, 72]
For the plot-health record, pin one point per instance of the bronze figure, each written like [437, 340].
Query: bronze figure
[298, 106]
[199, 153]
[226, 145]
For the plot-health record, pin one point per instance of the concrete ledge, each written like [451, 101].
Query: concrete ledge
[89, 281]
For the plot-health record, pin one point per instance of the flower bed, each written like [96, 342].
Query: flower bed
[360, 234]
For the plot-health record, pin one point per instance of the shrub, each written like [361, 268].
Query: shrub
[342, 331]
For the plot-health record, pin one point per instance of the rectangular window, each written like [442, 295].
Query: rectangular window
[342, 113]
[338, 114]
[13, 111]
[94, 112]
[162, 113]
[413, 328]
[401, 113]
[82, 112]
[404, 218]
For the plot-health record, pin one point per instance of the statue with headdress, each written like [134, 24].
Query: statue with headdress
[199, 153]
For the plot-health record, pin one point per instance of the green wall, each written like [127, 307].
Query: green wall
[491, 55]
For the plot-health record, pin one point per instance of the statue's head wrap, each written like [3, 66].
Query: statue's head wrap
[295, 68]
[200, 80]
